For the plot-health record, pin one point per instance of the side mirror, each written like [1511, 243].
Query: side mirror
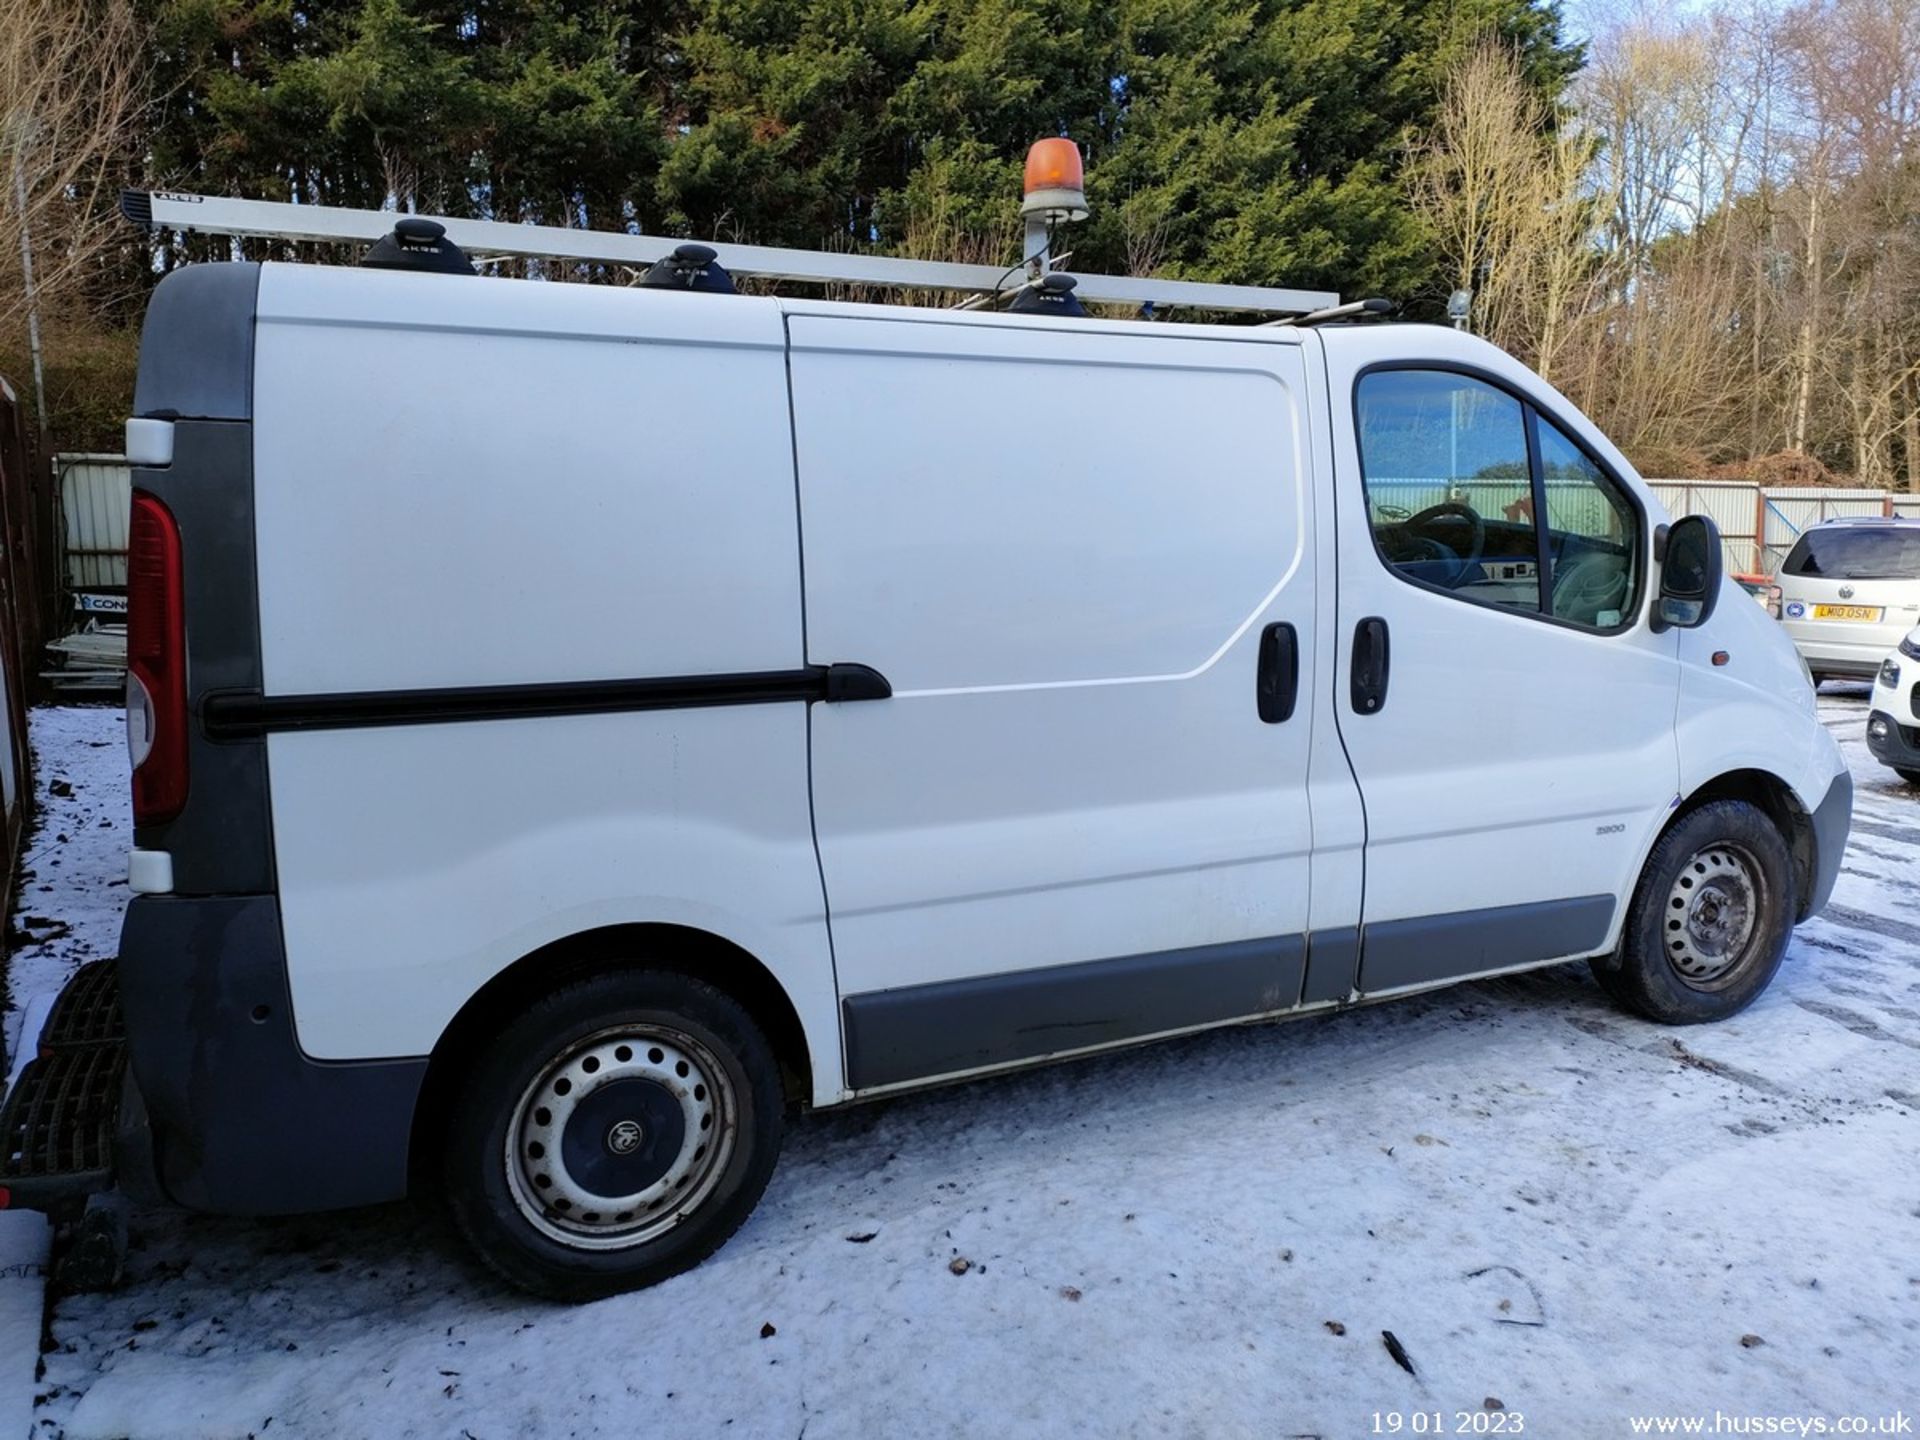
[1690, 575]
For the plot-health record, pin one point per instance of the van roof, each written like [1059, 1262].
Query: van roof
[307, 292]
[1046, 324]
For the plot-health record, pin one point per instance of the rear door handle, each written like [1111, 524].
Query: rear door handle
[1277, 684]
[1369, 665]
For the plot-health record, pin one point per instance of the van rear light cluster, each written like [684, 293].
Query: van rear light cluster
[156, 663]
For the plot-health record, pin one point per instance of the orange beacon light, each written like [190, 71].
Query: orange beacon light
[1055, 184]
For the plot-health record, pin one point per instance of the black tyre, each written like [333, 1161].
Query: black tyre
[614, 1134]
[1912, 777]
[1710, 919]
[1612, 984]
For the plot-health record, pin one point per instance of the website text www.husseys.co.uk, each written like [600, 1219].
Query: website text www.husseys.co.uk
[1722, 1423]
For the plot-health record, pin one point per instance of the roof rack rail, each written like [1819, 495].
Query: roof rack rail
[161, 210]
[1352, 310]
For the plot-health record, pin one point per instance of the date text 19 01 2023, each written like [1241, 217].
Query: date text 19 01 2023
[1439, 1422]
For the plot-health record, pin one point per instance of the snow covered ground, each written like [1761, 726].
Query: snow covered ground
[72, 888]
[73, 877]
[1552, 1206]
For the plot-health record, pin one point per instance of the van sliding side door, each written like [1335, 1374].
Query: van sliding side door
[1084, 561]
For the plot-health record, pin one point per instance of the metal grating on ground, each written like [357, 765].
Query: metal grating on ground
[88, 1010]
[59, 1118]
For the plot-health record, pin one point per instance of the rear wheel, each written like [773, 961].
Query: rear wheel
[1710, 919]
[614, 1134]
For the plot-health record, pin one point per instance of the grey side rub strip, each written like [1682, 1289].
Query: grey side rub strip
[239, 715]
[1333, 965]
[920, 1032]
[1440, 947]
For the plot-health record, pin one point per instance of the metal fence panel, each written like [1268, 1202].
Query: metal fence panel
[96, 498]
[1571, 504]
[1757, 526]
[1733, 505]
[1398, 496]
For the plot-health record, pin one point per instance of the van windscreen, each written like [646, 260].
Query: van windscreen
[1865, 553]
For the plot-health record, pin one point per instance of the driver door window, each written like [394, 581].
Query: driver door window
[1448, 479]
[1592, 534]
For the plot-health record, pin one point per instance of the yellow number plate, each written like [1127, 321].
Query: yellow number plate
[1869, 613]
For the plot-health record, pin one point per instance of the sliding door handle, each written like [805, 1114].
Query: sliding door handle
[1369, 665]
[1277, 684]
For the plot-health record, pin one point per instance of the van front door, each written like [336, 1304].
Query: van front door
[1085, 562]
[1507, 709]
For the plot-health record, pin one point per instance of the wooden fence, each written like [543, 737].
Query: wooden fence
[29, 607]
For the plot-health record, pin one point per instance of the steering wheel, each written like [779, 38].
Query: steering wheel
[1592, 583]
[1457, 510]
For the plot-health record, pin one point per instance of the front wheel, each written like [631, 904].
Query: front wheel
[1710, 919]
[615, 1134]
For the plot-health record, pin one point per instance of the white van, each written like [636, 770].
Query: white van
[577, 727]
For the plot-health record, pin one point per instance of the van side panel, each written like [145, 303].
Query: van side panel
[466, 483]
[1748, 713]
[1739, 715]
[418, 861]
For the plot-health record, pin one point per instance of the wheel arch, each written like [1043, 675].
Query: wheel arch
[1777, 800]
[684, 950]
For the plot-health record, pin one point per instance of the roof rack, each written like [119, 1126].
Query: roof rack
[160, 210]
[1371, 309]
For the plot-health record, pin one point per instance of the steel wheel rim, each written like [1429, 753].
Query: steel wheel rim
[1711, 926]
[620, 1137]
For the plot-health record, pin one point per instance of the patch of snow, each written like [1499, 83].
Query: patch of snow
[23, 1283]
[1549, 1203]
[26, 1032]
[67, 911]
[73, 874]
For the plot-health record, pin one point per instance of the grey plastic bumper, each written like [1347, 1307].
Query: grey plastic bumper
[242, 1122]
[1831, 820]
[1898, 747]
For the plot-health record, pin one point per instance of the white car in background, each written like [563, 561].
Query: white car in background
[1849, 590]
[1893, 724]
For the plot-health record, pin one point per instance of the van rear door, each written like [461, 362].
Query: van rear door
[1065, 548]
[1508, 710]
